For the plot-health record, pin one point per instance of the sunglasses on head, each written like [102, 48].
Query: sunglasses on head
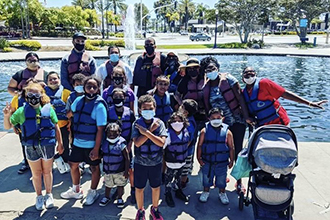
[31, 94]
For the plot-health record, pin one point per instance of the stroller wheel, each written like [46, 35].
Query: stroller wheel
[241, 201]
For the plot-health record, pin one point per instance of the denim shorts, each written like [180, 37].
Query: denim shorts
[39, 152]
[219, 172]
[144, 173]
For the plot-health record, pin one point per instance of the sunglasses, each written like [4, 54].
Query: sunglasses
[92, 87]
[32, 61]
[30, 95]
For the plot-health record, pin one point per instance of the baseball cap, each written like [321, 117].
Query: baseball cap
[79, 34]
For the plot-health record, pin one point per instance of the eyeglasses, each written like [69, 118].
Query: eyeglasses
[32, 61]
[30, 95]
[91, 87]
[162, 84]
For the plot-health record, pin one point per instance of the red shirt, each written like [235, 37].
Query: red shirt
[269, 90]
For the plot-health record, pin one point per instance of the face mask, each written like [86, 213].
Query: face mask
[79, 47]
[90, 96]
[32, 66]
[33, 100]
[54, 86]
[216, 122]
[212, 75]
[148, 114]
[114, 57]
[193, 73]
[150, 50]
[112, 141]
[177, 126]
[118, 80]
[250, 80]
[118, 102]
[79, 89]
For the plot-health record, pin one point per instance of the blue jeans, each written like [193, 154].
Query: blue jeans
[218, 171]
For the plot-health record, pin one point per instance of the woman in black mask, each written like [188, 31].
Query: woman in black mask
[172, 70]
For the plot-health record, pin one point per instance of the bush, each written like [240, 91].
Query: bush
[89, 46]
[255, 41]
[102, 43]
[232, 45]
[119, 35]
[6, 49]
[4, 43]
[26, 44]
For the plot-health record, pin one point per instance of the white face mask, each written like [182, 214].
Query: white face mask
[216, 123]
[250, 80]
[212, 75]
[177, 126]
[112, 141]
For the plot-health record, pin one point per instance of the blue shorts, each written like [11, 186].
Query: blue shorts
[144, 173]
[219, 172]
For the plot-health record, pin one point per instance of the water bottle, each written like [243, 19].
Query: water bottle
[61, 165]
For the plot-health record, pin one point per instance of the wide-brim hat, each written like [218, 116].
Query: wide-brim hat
[79, 34]
[191, 62]
[173, 53]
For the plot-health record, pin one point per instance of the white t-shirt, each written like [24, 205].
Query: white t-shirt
[168, 141]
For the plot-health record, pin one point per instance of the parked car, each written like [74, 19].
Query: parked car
[200, 36]
[182, 32]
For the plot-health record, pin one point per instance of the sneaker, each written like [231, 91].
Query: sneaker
[23, 168]
[120, 203]
[104, 201]
[140, 215]
[70, 194]
[180, 195]
[49, 201]
[155, 213]
[223, 198]
[169, 200]
[40, 203]
[133, 199]
[204, 196]
[92, 195]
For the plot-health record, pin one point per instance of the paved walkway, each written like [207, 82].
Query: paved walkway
[17, 197]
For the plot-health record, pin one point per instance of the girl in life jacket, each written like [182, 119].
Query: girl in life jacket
[115, 163]
[38, 123]
[119, 80]
[176, 152]
[215, 147]
[58, 98]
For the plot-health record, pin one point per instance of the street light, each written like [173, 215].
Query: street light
[216, 28]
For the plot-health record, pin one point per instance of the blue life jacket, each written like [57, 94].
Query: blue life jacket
[73, 96]
[149, 149]
[125, 120]
[38, 130]
[21, 101]
[263, 111]
[84, 126]
[214, 148]
[163, 107]
[109, 99]
[177, 150]
[173, 87]
[56, 100]
[113, 160]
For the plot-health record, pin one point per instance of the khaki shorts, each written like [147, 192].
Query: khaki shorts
[115, 179]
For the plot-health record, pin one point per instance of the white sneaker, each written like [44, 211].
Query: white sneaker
[92, 195]
[40, 203]
[70, 194]
[49, 201]
[204, 196]
[223, 198]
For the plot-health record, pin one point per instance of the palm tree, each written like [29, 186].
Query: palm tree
[186, 7]
[115, 5]
[82, 3]
[200, 12]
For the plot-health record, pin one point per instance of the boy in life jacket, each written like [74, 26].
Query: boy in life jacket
[78, 81]
[215, 147]
[189, 108]
[176, 152]
[115, 163]
[119, 80]
[58, 98]
[38, 122]
[149, 135]
[90, 119]
[119, 112]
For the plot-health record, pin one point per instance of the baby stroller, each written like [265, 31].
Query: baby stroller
[273, 154]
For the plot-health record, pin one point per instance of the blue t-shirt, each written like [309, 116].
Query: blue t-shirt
[100, 117]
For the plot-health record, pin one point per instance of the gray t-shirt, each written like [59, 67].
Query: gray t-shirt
[148, 161]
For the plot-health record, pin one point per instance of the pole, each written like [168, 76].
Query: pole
[223, 28]
[141, 17]
[106, 18]
[102, 14]
[216, 29]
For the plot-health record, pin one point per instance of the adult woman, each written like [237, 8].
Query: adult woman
[32, 70]
[222, 90]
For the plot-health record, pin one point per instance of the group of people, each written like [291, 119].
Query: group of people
[87, 113]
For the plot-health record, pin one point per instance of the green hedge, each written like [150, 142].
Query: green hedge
[4, 43]
[232, 45]
[26, 44]
[102, 43]
[119, 35]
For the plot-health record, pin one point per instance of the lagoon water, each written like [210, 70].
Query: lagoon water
[306, 76]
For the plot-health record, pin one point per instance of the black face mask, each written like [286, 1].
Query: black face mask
[193, 73]
[118, 80]
[33, 100]
[90, 96]
[117, 101]
[150, 50]
[79, 47]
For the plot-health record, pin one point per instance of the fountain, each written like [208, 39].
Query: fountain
[129, 31]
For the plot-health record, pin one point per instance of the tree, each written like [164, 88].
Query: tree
[92, 17]
[75, 17]
[200, 12]
[242, 14]
[186, 11]
[163, 12]
[137, 12]
[117, 5]
[81, 3]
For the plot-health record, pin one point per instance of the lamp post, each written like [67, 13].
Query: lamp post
[216, 28]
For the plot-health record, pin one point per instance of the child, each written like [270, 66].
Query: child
[175, 156]
[215, 146]
[78, 80]
[58, 98]
[119, 112]
[189, 108]
[115, 163]
[119, 81]
[149, 134]
[90, 118]
[40, 132]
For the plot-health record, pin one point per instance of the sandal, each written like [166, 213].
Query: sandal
[120, 203]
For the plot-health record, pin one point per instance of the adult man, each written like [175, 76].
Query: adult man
[104, 72]
[148, 67]
[78, 61]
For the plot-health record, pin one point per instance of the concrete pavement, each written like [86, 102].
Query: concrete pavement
[17, 197]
